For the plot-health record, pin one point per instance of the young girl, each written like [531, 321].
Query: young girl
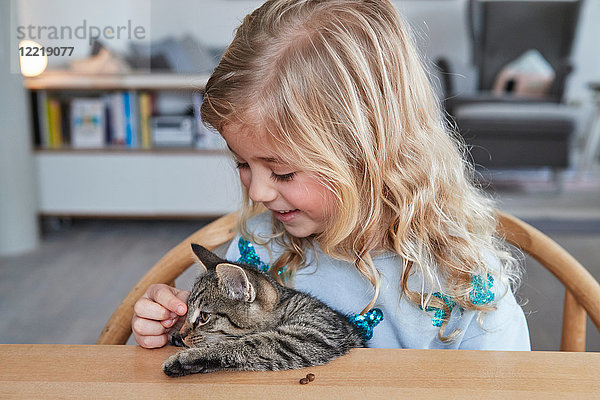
[336, 130]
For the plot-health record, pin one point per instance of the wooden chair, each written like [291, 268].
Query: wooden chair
[582, 291]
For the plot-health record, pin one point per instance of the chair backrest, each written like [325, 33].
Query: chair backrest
[118, 328]
[503, 30]
[582, 292]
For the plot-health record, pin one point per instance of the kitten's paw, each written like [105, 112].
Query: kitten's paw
[185, 363]
[172, 367]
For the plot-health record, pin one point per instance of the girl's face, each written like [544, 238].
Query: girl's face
[296, 198]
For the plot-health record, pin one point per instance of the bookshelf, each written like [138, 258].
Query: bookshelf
[124, 180]
[60, 80]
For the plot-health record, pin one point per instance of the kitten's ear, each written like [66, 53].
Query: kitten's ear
[235, 282]
[205, 259]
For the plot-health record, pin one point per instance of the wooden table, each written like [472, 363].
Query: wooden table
[70, 371]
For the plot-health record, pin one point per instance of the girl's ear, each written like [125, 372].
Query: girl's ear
[234, 281]
[205, 259]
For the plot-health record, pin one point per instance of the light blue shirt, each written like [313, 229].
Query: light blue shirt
[405, 325]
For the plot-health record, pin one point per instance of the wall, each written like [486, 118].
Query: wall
[18, 197]
[439, 26]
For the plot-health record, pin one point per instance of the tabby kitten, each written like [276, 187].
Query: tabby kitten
[240, 318]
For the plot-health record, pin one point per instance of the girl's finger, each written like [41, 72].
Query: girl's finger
[147, 327]
[146, 308]
[151, 342]
[167, 323]
[165, 296]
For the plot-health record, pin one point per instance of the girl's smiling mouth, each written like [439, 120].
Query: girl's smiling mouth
[285, 215]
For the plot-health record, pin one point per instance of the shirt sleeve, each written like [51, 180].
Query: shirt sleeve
[504, 328]
[233, 252]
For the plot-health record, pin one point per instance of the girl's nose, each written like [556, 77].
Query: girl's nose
[261, 189]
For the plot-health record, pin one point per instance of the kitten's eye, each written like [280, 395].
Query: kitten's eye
[203, 318]
[199, 318]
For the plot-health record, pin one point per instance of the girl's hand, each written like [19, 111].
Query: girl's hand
[157, 311]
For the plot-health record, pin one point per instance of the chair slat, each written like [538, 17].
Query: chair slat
[573, 325]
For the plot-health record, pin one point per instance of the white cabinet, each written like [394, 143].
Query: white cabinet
[136, 183]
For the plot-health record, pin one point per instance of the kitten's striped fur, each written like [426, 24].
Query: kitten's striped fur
[240, 318]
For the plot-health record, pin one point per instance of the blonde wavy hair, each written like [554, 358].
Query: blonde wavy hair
[343, 94]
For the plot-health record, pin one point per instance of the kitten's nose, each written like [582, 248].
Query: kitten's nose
[184, 332]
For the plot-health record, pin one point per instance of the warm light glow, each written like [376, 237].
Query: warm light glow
[32, 65]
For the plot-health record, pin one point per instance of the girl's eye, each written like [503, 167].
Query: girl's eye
[274, 176]
[283, 178]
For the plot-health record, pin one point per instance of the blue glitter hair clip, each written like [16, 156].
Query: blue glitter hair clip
[480, 294]
[248, 255]
[439, 314]
[366, 322]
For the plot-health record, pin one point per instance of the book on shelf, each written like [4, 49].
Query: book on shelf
[116, 129]
[42, 115]
[122, 119]
[131, 120]
[55, 123]
[51, 130]
[172, 131]
[87, 123]
[144, 120]
[65, 110]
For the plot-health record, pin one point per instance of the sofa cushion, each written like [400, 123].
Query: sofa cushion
[549, 120]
